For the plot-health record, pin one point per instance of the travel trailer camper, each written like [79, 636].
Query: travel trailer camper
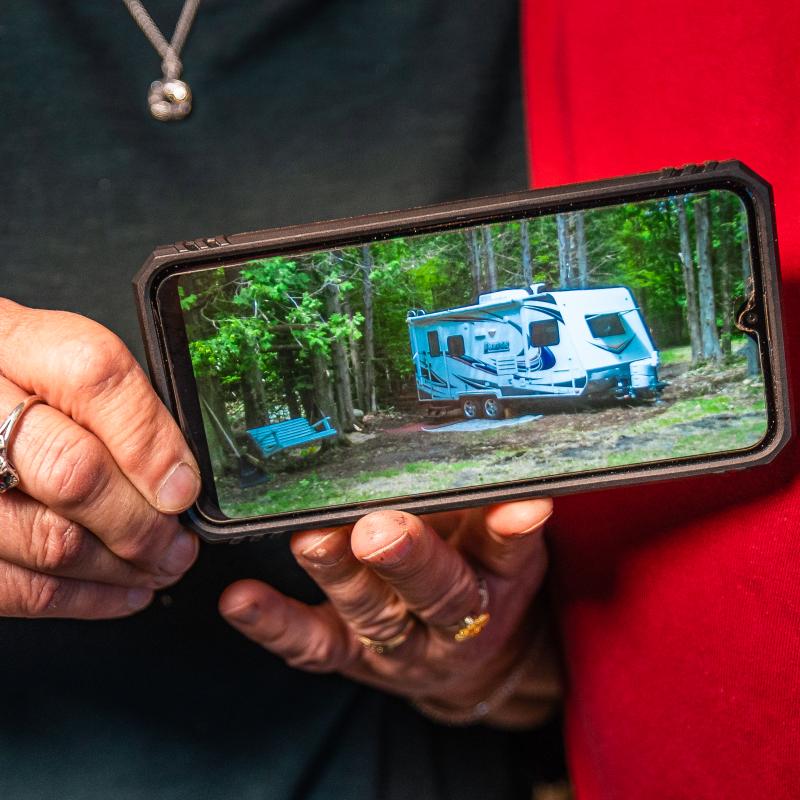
[523, 344]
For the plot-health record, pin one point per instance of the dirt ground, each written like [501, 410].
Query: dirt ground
[702, 410]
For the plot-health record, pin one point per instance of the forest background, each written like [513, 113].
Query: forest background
[325, 334]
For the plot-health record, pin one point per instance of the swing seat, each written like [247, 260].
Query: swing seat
[271, 439]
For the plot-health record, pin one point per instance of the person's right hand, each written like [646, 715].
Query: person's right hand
[90, 532]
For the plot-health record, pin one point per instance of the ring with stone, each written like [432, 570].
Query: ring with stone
[9, 477]
[473, 624]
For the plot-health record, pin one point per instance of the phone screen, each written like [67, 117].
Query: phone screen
[551, 345]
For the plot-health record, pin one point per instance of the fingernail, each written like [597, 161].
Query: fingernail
[246, 615]
[533, 528]
[180, 555]
[139, 598]
[391, 554]
[179, 490]
[327, 550]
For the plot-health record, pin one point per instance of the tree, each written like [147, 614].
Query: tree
[687, 265]
[341, 374]
[580, 248]
[564, 266]
[491, 262]
[705, 281]
[368, 390]
[525, 247]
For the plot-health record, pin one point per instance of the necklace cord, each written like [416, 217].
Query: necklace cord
[169, 51]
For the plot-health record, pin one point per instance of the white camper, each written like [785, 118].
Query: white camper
[523, 344]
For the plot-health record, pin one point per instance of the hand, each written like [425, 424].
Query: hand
[90, 531]
[394, 573]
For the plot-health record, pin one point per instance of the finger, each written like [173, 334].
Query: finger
[35, 537]
[312, 638]
[429, 575]
[365, 602]
[68, 469]
[507, 542]
[85, 371]
[24, 593]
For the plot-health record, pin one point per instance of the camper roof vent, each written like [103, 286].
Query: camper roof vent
[538, 288]
[502, 296]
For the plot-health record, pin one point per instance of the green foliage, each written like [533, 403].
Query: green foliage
[273, 316]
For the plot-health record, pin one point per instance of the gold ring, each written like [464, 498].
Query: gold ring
[9, 477]
[383, 646]
[473, 624]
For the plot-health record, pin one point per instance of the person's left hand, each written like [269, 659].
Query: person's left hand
[393, 574]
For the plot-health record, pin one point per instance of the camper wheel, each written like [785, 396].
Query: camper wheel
[493, 408]
[471, 407]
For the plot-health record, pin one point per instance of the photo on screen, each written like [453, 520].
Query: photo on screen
[538, 347]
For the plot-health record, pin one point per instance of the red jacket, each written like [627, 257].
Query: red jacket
[680, 602]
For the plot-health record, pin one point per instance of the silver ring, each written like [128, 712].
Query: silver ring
[9, 477]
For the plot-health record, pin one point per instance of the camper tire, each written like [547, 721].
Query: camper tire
[471, 407]
[493, 408]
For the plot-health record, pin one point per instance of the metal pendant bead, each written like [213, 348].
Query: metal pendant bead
[170, 99]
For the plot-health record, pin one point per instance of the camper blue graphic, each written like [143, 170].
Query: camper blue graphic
[520, 344]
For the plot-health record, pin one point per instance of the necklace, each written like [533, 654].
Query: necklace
[170, 98]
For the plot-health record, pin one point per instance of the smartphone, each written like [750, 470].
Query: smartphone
[536, 343]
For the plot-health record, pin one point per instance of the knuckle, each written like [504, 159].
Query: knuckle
[73, 467]
[315, 656]
[41, 595]
[145, 543]
[98, 360]
[450, 601]
[57, 544]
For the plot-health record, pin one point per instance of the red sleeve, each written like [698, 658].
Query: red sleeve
[679, 603]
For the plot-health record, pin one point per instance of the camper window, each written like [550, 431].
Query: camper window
[604, 325]
[455, 346]
[544, 334]
[433, 343]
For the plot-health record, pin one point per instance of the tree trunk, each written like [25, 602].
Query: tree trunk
[705, 282]
[687, 267]
[525, 242]
[255, 412]
[580, 247]
[323, 389]
[341, 373]
[287, 368]
[491, 263]
[750, 347]
[368, 391]
[217, 426]
[564, 271]
[355, 361]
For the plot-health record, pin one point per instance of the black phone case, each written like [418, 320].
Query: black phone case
[761, 317]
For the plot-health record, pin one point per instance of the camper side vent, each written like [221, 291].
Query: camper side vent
[506, 366]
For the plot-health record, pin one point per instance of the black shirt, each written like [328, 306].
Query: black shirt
[304, 109]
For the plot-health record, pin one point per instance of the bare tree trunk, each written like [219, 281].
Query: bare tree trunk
[525, 242]
[287, 368]
[255, 412]
[341, 383]
[354, 360]
[564, 271]
[369, 393]
[580, 247]
[705, 282]
[687, 267]
[491, 263]
[323, 389]
[750, 347]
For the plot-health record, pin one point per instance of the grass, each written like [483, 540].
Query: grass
[733, 418]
